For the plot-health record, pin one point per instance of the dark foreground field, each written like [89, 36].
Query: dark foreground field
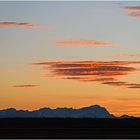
[69, 128]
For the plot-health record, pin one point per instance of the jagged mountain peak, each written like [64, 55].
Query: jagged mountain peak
[9, 109]
[45, 108]
[126, 116]
[93, 111]
[94, 106]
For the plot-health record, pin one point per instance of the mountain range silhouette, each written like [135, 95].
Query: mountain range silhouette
[94, 111]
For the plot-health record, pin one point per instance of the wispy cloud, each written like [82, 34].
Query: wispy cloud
[25, 86]
[135, 15]
[20, 24]
[134, 11]
[133, 85]
[74, 64]
[126, 55]
[82, 42]
[92, 71]
[116, 83]
[131, 8]
[36, 57]
[126, 84]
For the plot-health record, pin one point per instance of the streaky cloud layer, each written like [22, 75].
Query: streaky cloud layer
[135, 11]
[25, 86]
[20, 24]
[88, 63]
[105, 72]
[82, 42]
[132, 8]
[126, 55]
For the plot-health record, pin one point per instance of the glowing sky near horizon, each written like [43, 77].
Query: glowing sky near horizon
[70, 54]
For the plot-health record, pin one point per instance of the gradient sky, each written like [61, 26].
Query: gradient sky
[50, 52]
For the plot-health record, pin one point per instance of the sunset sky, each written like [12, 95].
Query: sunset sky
[70, 54]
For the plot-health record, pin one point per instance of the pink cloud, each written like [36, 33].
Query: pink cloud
[135, 11]
[82, 42]
[21, 24]
[36, 57]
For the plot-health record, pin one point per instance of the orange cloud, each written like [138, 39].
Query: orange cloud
[132, 8]
[25, 86]
[22, 24]
[91, 71]
[82, 42]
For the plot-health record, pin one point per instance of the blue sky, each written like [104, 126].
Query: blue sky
[68, 20]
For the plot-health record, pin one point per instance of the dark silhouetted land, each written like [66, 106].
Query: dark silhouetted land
[69, 128]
